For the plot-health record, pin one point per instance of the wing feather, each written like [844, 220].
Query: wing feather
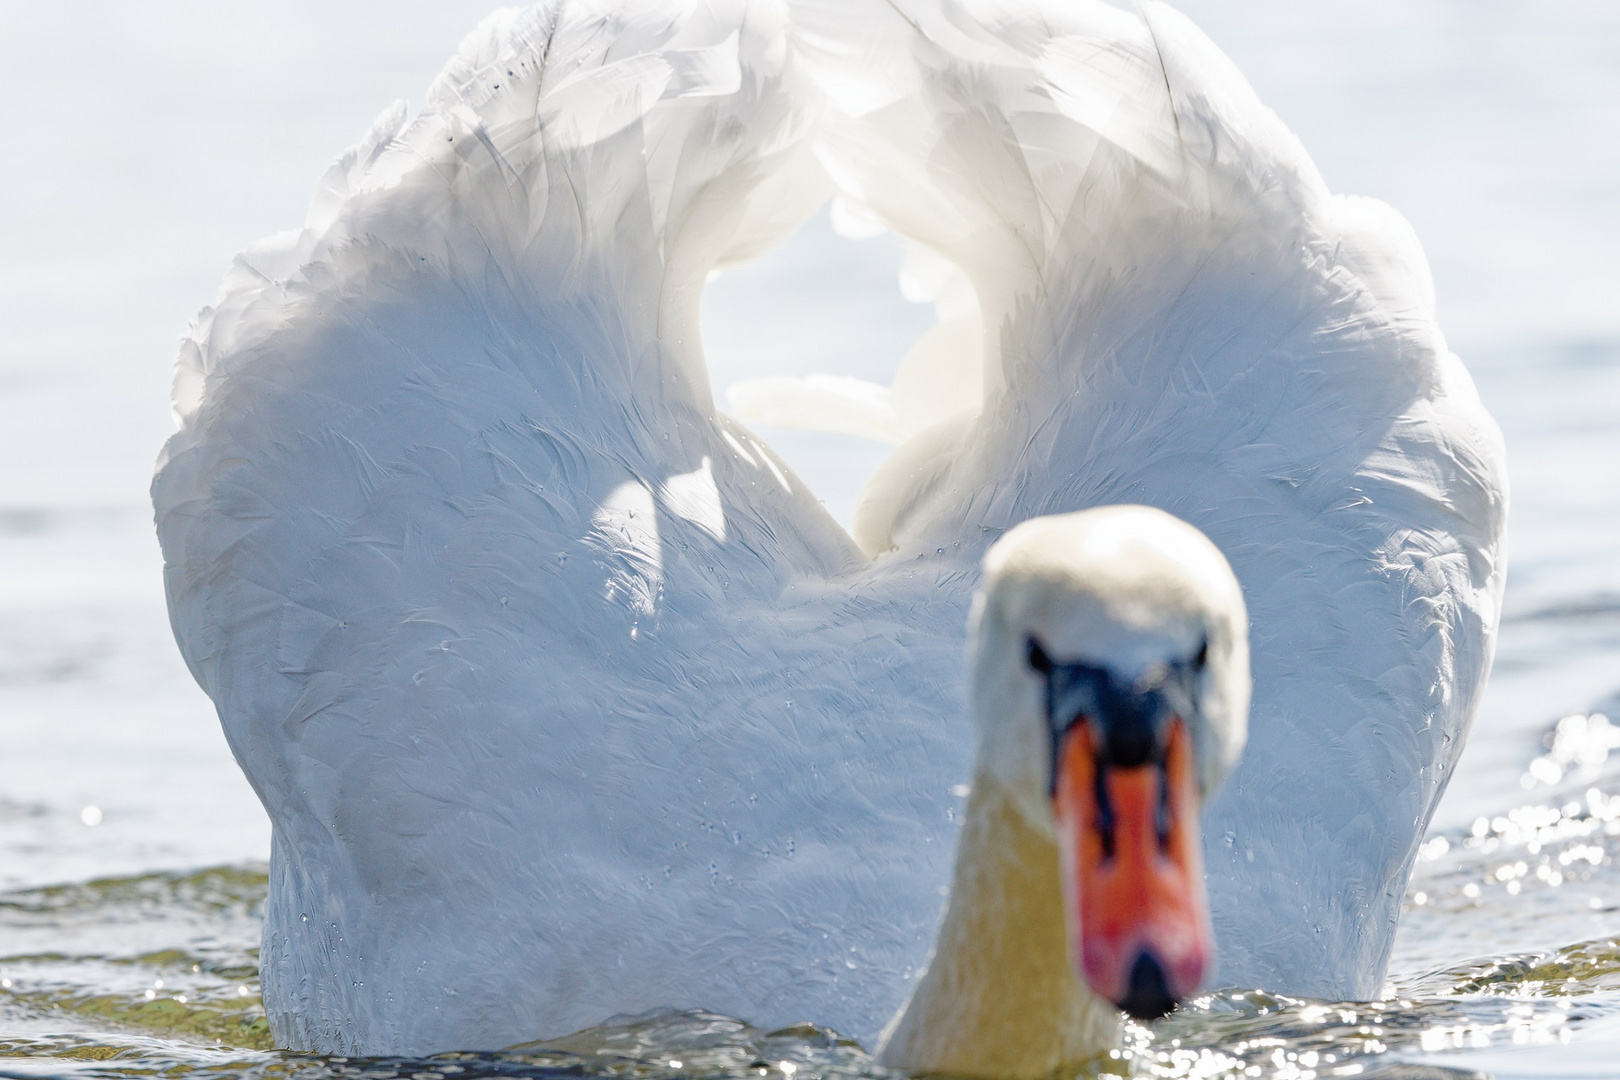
[1178, 312]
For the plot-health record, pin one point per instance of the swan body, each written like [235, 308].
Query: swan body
[564, 696]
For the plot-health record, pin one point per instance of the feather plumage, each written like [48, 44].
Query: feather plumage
[567, 699]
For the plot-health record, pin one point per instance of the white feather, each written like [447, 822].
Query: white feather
[567, 699]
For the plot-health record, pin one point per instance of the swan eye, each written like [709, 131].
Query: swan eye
[1038, 660]
[1202, 659]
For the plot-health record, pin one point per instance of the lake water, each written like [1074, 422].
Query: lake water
[148, 141]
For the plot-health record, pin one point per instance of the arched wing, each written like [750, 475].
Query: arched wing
[490, 314]
[1175, 311]
[487, 595]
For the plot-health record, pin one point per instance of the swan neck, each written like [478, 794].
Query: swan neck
[1000, 997]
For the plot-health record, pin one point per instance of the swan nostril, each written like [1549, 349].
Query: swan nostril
[1105, 811]
[1148, 997]
[1162, 821]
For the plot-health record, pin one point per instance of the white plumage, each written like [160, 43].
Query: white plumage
[564, 696]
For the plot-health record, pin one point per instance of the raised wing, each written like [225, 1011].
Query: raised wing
[515, 638]
[1175, 311]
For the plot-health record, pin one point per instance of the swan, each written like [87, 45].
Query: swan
[566, 699]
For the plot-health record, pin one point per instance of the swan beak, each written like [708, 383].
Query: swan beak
[1133, 877]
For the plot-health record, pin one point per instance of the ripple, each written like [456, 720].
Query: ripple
[156, 976]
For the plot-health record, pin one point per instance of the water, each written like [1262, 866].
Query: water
[148, 141]
[1510, 952]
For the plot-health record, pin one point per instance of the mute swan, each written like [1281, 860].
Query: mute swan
[564, 696]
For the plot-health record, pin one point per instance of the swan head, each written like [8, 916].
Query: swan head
[1110, 687]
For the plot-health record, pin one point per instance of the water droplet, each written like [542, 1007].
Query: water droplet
[90, 815]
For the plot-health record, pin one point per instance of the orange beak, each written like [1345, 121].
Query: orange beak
[1133, 875]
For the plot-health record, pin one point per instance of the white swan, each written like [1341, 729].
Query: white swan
[566, 699]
